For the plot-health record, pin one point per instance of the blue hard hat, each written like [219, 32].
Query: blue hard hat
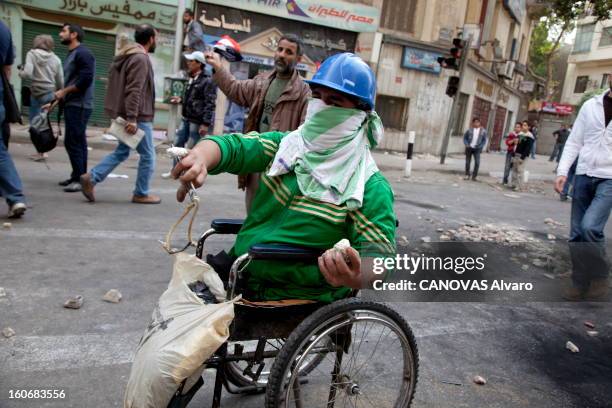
[349, 74]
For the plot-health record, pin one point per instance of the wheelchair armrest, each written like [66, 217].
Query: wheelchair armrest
[226, 225]
[284, 252]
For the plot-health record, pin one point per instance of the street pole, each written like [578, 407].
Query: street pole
[455, 106]
[176, 67]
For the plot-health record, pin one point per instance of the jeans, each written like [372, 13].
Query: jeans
[469, 152]
[146, 163]
[555, 152]
[571, 175]
[533, 149]
[37, 103]
[76, 119]
[508, 166]
[10, 183]
[591, 204]
[189, 132]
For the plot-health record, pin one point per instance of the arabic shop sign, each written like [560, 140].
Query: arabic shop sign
[421, 60]
[319, 41]
[124, 11]
[330, 13]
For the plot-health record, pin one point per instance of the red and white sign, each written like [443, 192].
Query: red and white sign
[558, 108]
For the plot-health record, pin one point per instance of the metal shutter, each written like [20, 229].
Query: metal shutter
[101, 45]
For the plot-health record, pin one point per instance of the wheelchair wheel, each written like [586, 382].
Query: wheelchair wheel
[235, 370]
[371, 361]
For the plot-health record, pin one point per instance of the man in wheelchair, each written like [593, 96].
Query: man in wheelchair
[319, 184]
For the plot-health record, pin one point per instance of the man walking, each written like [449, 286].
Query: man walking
[198, 102]
[277, 99]
[131, 96]
[474, 140]
[561, 136]
[10, 183]
[590, 141]
[77, 100]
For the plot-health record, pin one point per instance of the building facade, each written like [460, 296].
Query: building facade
[590, 61]
[412, 86]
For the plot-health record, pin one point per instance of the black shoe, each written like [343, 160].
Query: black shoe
[73, 187]
[563, 197]
[65, 182]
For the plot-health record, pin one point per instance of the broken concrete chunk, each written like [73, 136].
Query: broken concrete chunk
[549, 275]
[592, 333]
[113, 296]
[572, 347]
[2, 292]
[74, 302]
[589, 324]
[342, 244]
[8, 332]
[425, 239]
[439, 229]
[551, 237]
[7, 225]
[479, 380]
[444, 237]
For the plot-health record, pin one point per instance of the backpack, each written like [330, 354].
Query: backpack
[41, 132]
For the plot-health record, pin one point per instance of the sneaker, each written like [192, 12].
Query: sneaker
[17, 210]
[87, 187]
[73, 187]
[598, 289]
[148, 199]
[65, 182]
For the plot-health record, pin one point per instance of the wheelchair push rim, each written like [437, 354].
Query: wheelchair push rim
[372, 362]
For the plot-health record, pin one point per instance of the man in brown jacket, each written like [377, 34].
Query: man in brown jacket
[131, 96]
[277, 99]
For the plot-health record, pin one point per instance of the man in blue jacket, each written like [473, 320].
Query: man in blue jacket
[77, 99]
[474, 140]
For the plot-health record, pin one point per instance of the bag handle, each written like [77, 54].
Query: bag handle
[192, 207]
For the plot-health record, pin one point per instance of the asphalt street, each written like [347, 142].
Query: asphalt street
[64, 246]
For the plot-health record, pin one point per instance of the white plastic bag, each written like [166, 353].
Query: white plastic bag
[183, 334]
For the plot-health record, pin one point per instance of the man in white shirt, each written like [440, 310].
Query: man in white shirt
[591, 141]
[474, 140]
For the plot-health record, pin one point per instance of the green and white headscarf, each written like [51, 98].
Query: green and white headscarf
[330, 153]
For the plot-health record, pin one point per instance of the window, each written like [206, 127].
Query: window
[606, 37]
[584, 38]
[604, 81]
[581, 84]
[393, 111]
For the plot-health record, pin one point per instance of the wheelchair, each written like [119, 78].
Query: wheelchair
[305, 354]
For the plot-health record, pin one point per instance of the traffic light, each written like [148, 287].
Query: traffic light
[453, 86]
[452, 62]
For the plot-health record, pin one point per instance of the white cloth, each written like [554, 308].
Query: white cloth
[332, 166]
[475, 135]
[591, 141]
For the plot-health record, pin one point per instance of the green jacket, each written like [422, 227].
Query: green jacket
[281, 214]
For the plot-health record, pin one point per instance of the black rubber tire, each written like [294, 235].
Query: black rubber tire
[283, 359]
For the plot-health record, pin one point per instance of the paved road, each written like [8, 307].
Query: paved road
[65, 246]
